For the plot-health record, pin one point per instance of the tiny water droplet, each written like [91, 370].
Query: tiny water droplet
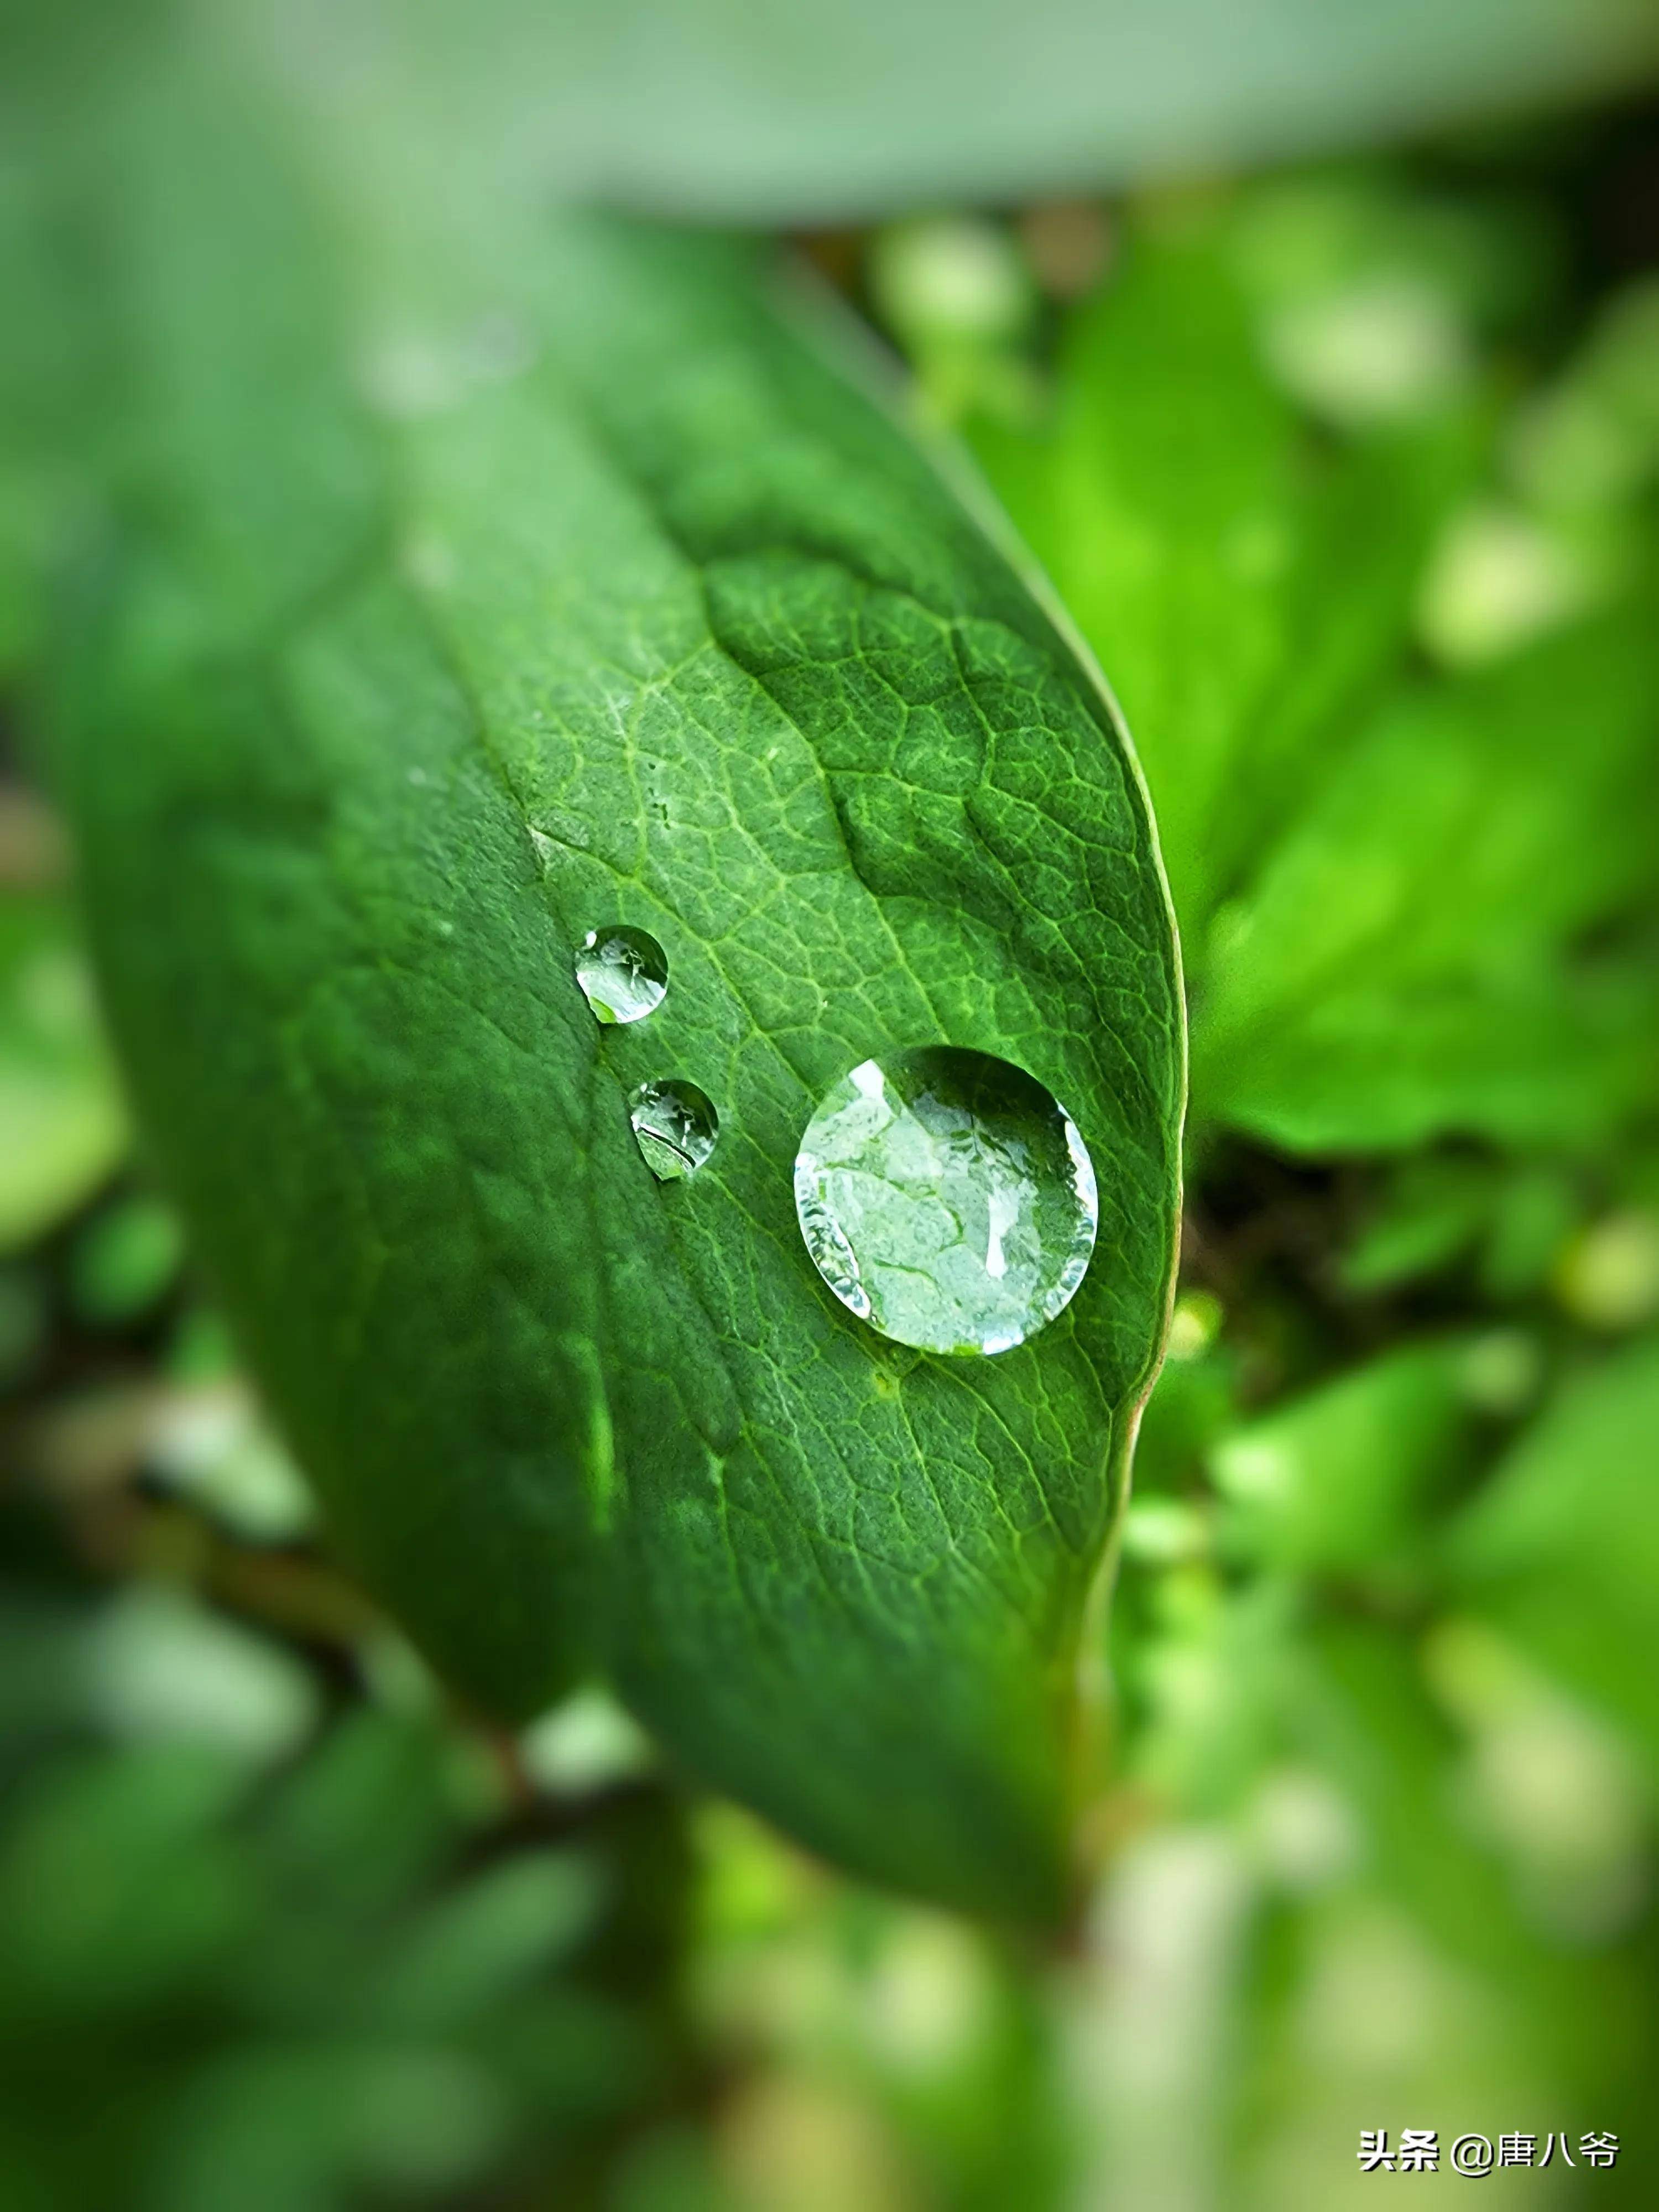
[623, 972]
[675, 1125]
[947, 1199]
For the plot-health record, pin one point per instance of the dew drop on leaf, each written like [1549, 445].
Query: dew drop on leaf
[623, 972]
[947, 1199]
[676, 1124]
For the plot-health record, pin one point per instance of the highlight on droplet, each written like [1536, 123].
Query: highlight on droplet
[675, 1125]
[622, 973]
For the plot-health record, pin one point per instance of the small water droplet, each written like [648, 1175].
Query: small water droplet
[623, 972]
[947, 1199]
[675, 1125]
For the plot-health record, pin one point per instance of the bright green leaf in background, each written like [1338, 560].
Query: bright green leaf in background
[1413, 905]
[1173, 497]
[1563, 1547]
[62, 1128]
[1338, 1481]
[1408, 960]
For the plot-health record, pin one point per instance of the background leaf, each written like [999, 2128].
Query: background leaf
[1338, 1481]
[1561, 1548]
[1413, 905]
[62, 1125]
[1189, 524]
[1408, 959]
[782, 112]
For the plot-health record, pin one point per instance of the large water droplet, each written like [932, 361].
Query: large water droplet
[623, 973]
[947, 1199]
[676, 1124]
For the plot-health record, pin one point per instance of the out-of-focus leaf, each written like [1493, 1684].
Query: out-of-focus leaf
[1194, 532]
[1430, 1215]
[1361, 1713]
[310, 2127]
[1338, 1480]
[1408, 961]
[50, 364]
[637, 612]
[62, 1126]
[1591, 440]
[1209, 1668]
[1430, 914]
[213, 1446]
[1189, 1408]
[22, 1323]
[124, 1261]
[1534, 1215]
[475, 1949]
[787, 111]
[159, 1667]
[1548, 1783]
[1361, 1709]
[1371, 294]
[298, 1990]
[1354, 2007]
[365, 1820]
[117, 1885]
[1562, 1547]
[1440, 1209]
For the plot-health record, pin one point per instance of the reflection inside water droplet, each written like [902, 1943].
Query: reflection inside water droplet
[623, 972]
[675, 1125]
[947, 1199]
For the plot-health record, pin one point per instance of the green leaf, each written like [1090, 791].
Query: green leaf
[124, 1262]
[1407, 912]
[1414, 957]
[117, 1885]
[471, 1953]
[1365, 1714]
[62, 1126]
[793, 111]
[1431, 1212]
[1561, 1549]
[1193, 530]
[1337, 1479]
[624, 607]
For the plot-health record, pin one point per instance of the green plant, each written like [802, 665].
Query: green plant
[497, 613]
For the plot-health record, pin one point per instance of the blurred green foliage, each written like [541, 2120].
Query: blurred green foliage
[61, 1126]
[1416, 900]
[1350, 479]
[230, 1974]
